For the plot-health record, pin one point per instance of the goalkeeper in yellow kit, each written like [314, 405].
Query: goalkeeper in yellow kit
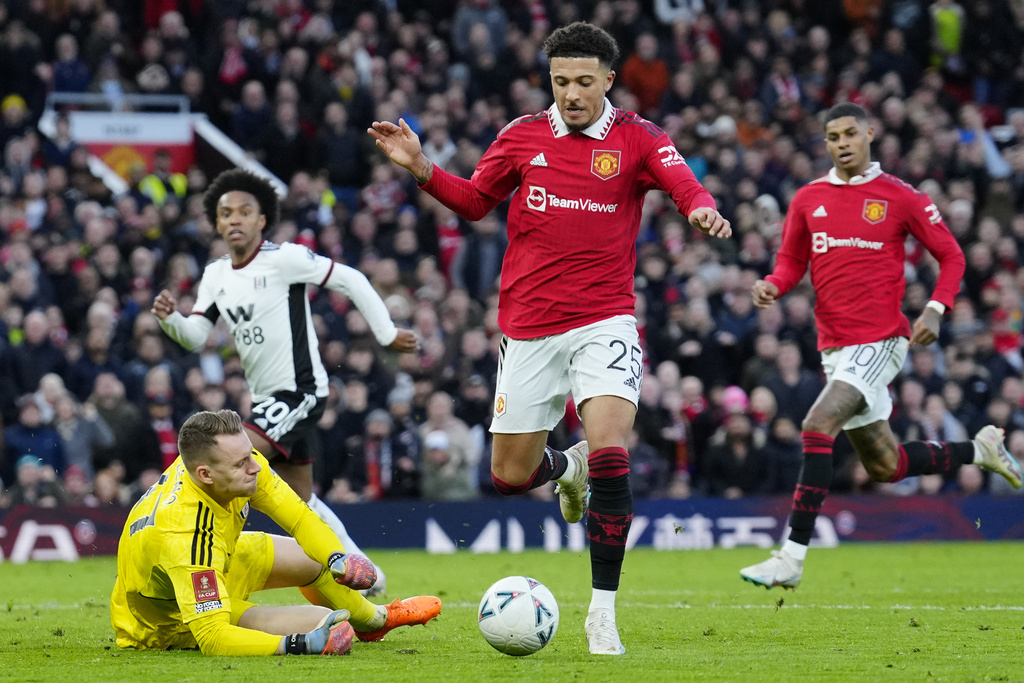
[185, 568]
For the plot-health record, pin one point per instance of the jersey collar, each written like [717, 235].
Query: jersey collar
[874, 170]
[597, 130]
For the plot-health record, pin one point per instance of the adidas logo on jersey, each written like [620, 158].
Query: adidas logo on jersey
[852, 370]
[820, 212]
[539, 160]
[221, 292]
[631, 383]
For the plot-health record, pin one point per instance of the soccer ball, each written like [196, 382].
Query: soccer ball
[518, 615]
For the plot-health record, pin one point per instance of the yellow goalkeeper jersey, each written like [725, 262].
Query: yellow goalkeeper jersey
[174, 557]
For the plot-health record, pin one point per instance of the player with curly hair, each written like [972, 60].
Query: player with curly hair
[260, 289]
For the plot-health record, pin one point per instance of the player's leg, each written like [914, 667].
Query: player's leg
[856, 395]
[292, 567]
[608, 421]
[605, 372]
[887, 461]
[529, 401]
[836, 404]
[280, 428]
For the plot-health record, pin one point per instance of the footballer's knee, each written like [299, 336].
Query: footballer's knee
[819, 422]
[880, 469]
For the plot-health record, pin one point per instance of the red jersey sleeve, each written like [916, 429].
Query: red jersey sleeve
[795, 252]
[665, 169]
[925, 223]
[493, 180]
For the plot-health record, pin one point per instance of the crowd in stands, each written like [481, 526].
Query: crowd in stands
[92, 392]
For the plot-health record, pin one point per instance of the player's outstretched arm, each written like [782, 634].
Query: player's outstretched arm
[710, 222]
[403, 147]
[764, 293]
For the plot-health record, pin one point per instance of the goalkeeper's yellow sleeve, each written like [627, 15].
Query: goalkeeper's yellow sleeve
[276, 499]
[216, 636]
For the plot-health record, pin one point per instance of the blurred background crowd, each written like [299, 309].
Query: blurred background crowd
[92, 392]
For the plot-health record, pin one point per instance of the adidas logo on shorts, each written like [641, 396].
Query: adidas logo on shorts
[631, 383]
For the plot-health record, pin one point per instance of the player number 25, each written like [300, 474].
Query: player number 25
[635, 357]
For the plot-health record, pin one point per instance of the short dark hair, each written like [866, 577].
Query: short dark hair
[199, 434]
[237, 180]
[838, 111]
[580, 39]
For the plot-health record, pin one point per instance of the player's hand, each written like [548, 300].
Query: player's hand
[352, 570]
[710, 222]
[402, 146]
[332, 636]
[164, 304]
[405, 342]
[926, 328]
[764, 293]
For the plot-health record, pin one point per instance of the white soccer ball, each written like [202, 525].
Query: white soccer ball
[518, 615]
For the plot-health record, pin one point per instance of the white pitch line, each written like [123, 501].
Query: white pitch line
[638, 605]
[773, 606]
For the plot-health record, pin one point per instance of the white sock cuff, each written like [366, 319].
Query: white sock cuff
[795, 550]
[602, 599]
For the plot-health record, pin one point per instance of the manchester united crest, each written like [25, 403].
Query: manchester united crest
[605, 163]
[874, 210]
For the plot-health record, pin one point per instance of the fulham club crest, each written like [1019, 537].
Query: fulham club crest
[874, 210]
[605, 163]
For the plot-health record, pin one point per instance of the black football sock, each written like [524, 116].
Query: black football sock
[552, 466]
[928, 457]
[609, 515]
[812, 487]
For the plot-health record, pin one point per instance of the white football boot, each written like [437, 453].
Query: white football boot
[574, 495]
[994, 456]
[781, 569]
[602, 634]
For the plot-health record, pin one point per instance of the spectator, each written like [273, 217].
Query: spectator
[82, 432]
[163, 184]
[794, 386]
[736, 465]
[30, 436]
[251, 116]
[132, 449]
[447, 475]
[477, 262]
[36, 356]
[344, 152]
[70, 72]
[646, 75]
[283, 146]
[648, 470]
[35, 485]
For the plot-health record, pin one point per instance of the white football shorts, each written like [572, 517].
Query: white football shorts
[870, 368]
[535, 375]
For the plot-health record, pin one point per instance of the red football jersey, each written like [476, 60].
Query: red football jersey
[573, 223]
[853, 235]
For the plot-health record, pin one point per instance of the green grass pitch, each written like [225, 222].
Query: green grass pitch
[885, 612]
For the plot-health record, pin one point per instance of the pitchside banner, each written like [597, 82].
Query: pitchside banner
[493, 525]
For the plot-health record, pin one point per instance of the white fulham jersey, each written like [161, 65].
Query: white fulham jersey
[266, 307]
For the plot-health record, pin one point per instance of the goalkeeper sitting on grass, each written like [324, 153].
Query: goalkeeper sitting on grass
[185, 568]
